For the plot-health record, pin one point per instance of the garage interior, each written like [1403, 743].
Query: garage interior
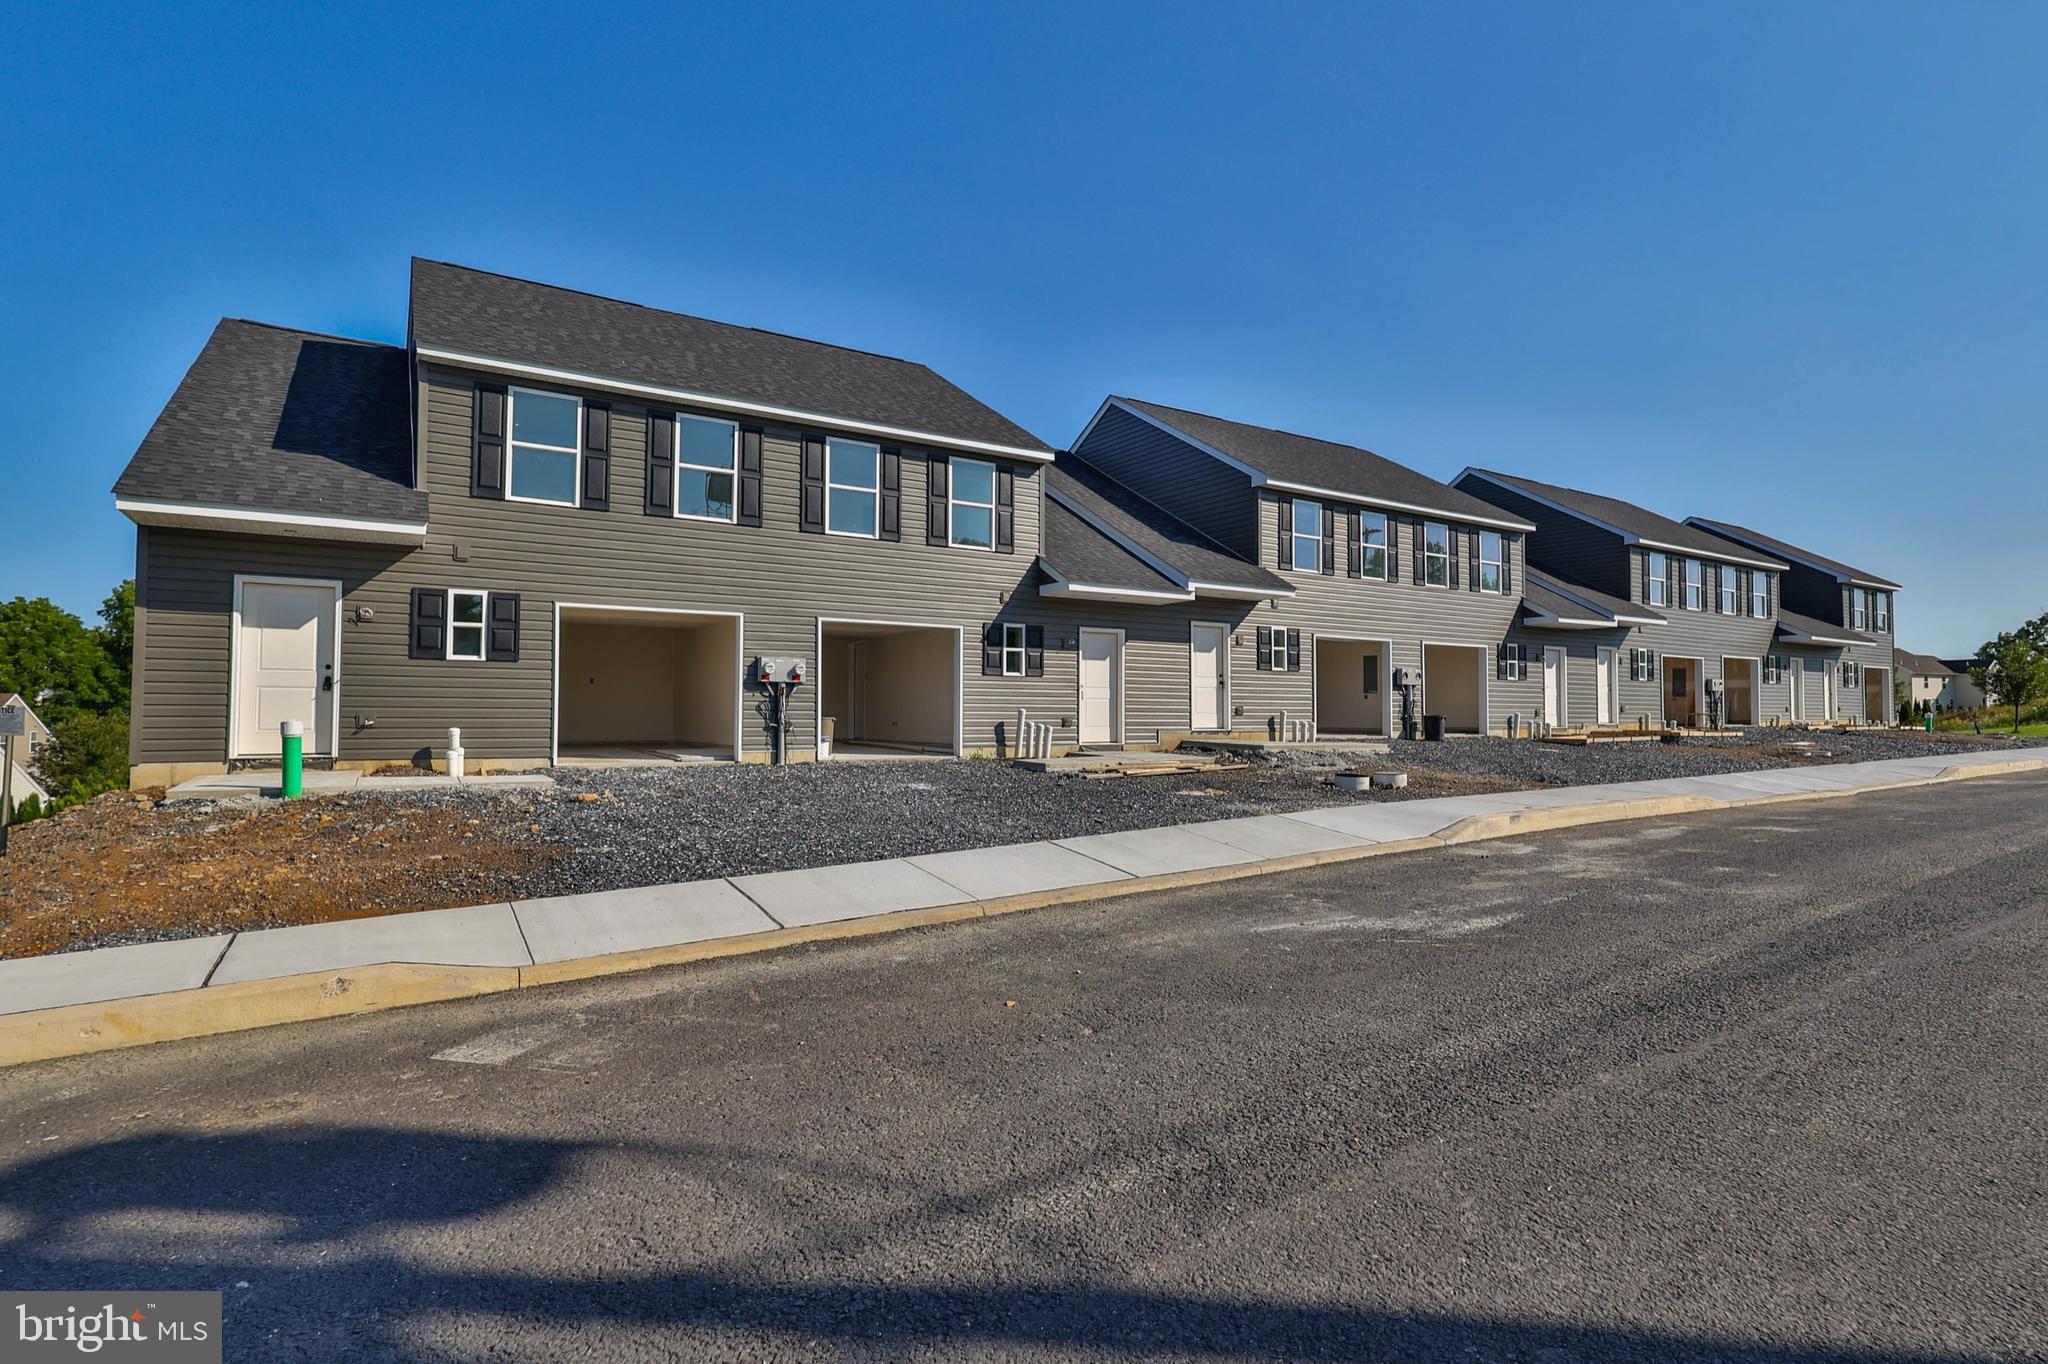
[1451, 686]
[646, 687]
[1738, 696]
[887, 690]
[1351, 687]
[1684, 691]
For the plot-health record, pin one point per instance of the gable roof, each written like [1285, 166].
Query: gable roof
[15, 698]
[1172, 547]
[1551, 600]
[277, 420]
[496, 322]
[1083, 561]
[1635, 525]
[1797, 629]
[1314, 467]
[1923, 665]
[1742, 535]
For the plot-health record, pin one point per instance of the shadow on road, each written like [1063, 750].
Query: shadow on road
[71, 1221]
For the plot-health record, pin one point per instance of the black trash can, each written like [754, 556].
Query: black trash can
[1433, 727]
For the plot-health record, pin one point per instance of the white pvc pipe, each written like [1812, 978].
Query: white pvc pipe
[455, 753]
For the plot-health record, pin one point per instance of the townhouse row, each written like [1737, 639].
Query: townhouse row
[573, 527]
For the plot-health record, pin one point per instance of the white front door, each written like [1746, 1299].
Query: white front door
[1603, 665]
[284, 666]
[1797, 675]
[1208, 679]
[1553, 687]
[1826, 678]
[1099, 682]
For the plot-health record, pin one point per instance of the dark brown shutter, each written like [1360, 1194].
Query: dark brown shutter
[1329, 540]
[1507, 562]
[1265, 649]
[661, 464]
[992, 650]
[502, 637]
[1006, 511]
[1674, 573]
[487, 443]
[1353, 523]
[597, 457]
[1456, 555]
[889, 523]
[1034, 651]
[1416, 563]
[811, 505]
[1472, 559]
[429, 636]
[1393, 555]
[935, 468]
[1286, 505]
[748, 512]
[1294, 651]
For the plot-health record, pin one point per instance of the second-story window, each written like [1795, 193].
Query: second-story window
[1372, 546]
[1308, 535]
[1489, 560]
[1759, 593]
[972, 518]
[852, 470]
[1881, 604]
[1859, 612]
[1729, 596]
[1695, 585]
[705, 452]
[1436, 554]
[546, 447]
[1660, 580]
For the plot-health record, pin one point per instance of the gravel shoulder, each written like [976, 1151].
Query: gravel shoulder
[125, 869]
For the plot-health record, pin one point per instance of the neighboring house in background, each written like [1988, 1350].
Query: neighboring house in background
[1966, 694]
[1939, 683]
[21, 749]
[1387, 570]
[1664, 614]
[1837, 620]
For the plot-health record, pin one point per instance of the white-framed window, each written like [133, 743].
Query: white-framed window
[1308, 535]
[1436, 554]
[1881, 605]
[1372, 545]
[468, 618]
[1013, 651]
[1773, 669]
[1660, 579]
[707, 458]
[971, 510]
[1695, 585]
[1490, 549]
[1276, 651]
[546, 448]
[1730, 588]
[853, 472]
[1859, 608]
[1513, 664]
[1641, 665]
[1759, 593]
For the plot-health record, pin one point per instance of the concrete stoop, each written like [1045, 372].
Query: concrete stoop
[79, 1002]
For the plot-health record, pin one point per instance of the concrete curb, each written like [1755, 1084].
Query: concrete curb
[81, 1029]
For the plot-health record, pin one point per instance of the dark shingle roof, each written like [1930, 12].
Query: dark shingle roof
[1925, 665]
[1625, 517]
[1728, 530]
[459, 309]
[1790, 623]
[1152, 529]
[284, 420]
[1345, 470]
[1079, 553]
[1557, 596]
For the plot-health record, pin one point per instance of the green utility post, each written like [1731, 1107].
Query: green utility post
[1928, 719]
[294, 759]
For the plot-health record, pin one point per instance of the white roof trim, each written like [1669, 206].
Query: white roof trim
[1150, 560]
[1061, 587]
[1628, 537]
[683, 396]
[1539, 618]
[1728, 532]
[1233, 592]
[145, 511]
[1550, 584]
[1260, 479]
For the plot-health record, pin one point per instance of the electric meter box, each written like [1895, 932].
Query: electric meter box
[767, 669]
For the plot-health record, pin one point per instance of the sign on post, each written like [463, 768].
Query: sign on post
[13, 720]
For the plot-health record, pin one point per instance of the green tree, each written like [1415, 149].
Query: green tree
[117, 637]
[2012, 670]
[87, 754]
[49, 656]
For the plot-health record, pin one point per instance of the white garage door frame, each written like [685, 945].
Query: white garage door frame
[959, 675]
[739, 665]
[234, 742]
[1485, 678]
[1315, 718]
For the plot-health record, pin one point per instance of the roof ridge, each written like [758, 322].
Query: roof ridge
[1278, 431]
[671, 312]
[1200, 534]
[310, 331]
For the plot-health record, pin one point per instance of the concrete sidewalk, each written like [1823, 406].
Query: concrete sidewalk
[88, 1001]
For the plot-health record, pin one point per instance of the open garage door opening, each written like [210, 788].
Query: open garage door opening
[1454, 686]
[1352, 695]
[638, 686]
[888, 690]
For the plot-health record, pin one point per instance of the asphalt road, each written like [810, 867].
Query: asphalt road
[1763, 1085]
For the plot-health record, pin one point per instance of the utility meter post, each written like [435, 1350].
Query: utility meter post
[294, 735]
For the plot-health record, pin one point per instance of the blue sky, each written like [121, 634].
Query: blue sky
[1778, 264]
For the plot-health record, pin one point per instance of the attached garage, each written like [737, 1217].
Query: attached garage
[648, 685]
[1454, 685]
[1353, 696]
[886, 689]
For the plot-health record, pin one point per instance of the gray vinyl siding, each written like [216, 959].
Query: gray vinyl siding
[1710, 636]
[1564, 545]
[1639, 702]
[1401, 612]
[1198, 488]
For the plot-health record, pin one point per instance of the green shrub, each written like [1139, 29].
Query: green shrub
[86, 755]
[29, 808]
